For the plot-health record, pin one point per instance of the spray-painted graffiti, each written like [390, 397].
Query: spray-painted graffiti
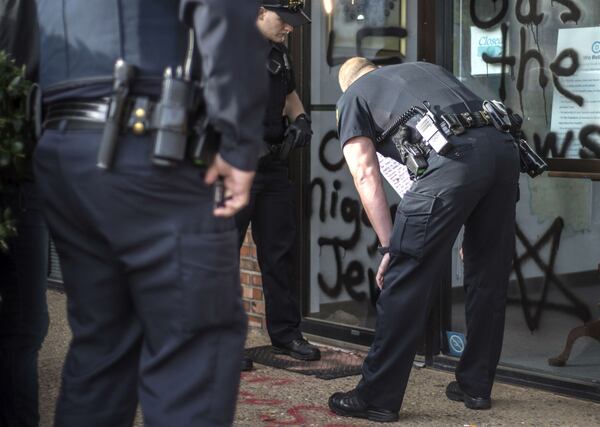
[352, 253]
[352, 274]
[532, 311]
[566, 63]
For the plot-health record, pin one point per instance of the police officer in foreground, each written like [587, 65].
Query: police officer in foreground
[466, 172]
[136, 134]
[271, 208]
[23, 269]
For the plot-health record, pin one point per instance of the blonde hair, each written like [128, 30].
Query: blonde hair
[352, 69]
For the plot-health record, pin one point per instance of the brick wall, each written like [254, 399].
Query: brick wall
[252, 293]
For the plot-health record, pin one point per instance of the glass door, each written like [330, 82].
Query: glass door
[343, 257]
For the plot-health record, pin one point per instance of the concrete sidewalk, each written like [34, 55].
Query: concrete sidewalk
[272, 397]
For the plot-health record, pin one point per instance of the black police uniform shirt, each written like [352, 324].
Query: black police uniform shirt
[374, 101]
[80, 44]
[281, 84]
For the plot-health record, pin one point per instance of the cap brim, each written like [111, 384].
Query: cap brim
[294, 19]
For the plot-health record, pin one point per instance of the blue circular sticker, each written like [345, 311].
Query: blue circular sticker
[457, 344]
[596, 47]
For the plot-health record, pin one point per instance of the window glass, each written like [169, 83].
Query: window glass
[543, 59]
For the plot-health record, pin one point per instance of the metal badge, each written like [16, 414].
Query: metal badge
[274, 67]
[295, 5]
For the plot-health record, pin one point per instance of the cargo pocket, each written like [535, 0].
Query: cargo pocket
[412, 221]
[209, 279]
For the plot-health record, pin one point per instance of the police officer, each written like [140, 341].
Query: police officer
[150, 264]
[271, 207]
[23, 269]
[472, 181]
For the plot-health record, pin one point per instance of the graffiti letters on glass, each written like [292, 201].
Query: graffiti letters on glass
[566, 63]
[349, 274]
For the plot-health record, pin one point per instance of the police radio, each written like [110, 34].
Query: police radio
[178, 102]
[171, 115]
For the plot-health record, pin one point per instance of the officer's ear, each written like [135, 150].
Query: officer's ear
[261, 13]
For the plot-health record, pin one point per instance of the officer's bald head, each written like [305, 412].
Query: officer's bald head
[353, 69]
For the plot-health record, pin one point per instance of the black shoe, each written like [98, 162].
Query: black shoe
[247, 364]
[454, 392]
[299, 349]
[349, 404]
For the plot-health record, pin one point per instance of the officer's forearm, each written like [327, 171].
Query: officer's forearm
[372, 196]
[293, 106]
[362, 161]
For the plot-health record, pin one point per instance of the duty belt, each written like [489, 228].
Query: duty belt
[92, 115]
[457, 123]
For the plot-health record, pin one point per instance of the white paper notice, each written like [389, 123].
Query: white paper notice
[485, 41]
[567, 115]
[395, 174]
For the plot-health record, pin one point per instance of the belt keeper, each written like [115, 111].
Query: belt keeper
[453, 123]
[486, 117]
[468, 120]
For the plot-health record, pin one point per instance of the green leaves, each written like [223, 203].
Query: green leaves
[15, 133]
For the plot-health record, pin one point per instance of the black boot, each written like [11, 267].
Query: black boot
[454, 392]
[349, 404]
[298, 349]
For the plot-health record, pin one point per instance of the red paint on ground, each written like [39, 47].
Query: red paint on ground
[248, 398]
[298, 416]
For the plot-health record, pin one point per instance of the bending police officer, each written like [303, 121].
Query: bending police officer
[149, 263]
[271, 207]
[472, 181]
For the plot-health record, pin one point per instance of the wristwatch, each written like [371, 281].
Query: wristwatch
[383, 250]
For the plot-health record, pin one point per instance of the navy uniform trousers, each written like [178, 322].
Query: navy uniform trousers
[272, 213]
[23, 311]
[152, 284]
[475, 185]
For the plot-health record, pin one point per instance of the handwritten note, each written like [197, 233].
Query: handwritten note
[395, 174]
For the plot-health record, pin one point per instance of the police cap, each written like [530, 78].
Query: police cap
[291, 11]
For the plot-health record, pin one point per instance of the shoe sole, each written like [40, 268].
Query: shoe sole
[371, 415]
[468, 403]
[295, 355]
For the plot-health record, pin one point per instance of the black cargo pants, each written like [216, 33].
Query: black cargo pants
[152, 283]
[476, 185]
[273, 216]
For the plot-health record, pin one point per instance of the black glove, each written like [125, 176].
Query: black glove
[301, 131]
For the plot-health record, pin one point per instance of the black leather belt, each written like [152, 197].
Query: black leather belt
[91, 115]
